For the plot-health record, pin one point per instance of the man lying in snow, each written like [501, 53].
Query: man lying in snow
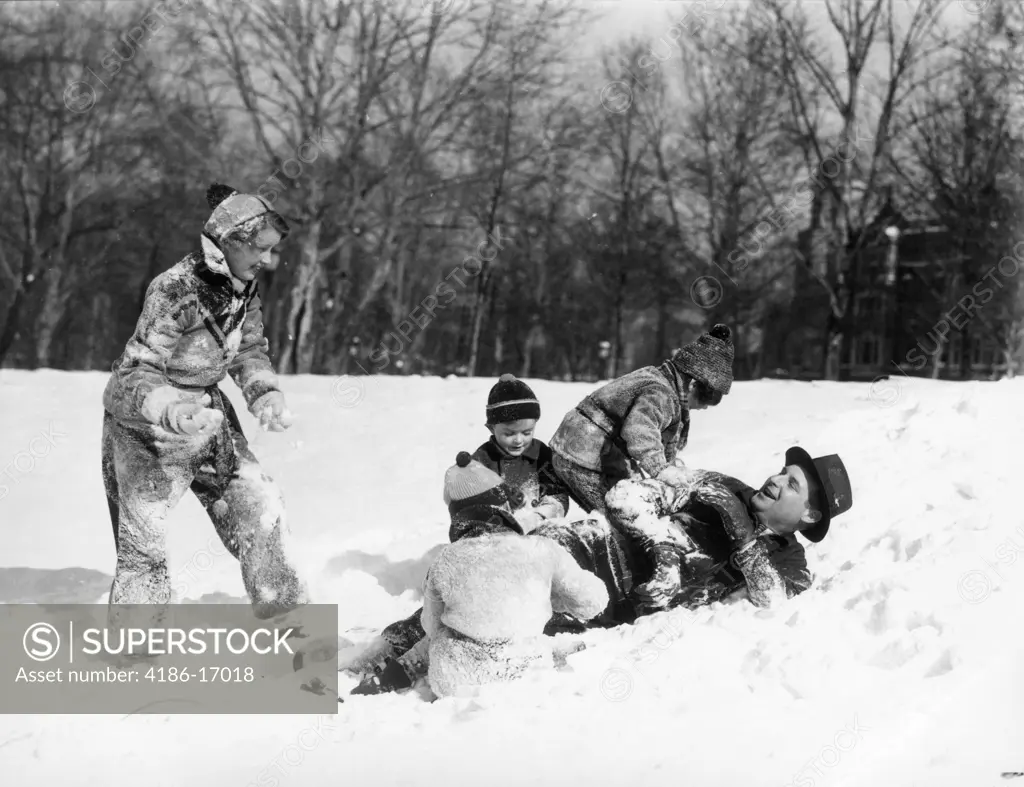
[709, 537]
[716, 535]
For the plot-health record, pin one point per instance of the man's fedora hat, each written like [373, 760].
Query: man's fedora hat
[834, 496]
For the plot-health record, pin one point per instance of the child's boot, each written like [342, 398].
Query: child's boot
[392, 677]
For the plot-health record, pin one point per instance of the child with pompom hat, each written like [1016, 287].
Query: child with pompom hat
[168, 428]
[535, 493]
[488, 595]
[522, 461]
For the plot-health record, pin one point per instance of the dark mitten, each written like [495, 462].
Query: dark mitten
[734, 515]
[734, 485]
[765, 585]
[657, 593]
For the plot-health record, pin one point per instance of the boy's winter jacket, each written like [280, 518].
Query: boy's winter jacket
[640, 420]
[530, 473]
[198, 325]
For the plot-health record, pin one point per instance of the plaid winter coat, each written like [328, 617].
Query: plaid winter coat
[530, 473]
[640, 418]
[198, 324]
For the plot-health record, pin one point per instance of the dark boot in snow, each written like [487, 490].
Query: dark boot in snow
[392, 677]
[561, 623]
[404, 634]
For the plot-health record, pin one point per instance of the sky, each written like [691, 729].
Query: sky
[651, 20]
[625, 16]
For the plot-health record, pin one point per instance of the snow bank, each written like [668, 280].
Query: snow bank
[900, 666]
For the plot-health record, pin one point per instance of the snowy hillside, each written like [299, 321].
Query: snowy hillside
[902, 666]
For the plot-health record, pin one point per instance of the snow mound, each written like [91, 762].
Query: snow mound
[900, 666]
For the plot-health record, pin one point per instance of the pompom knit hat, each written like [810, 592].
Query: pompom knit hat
[511, 400]
[708, 359]
[469, 483]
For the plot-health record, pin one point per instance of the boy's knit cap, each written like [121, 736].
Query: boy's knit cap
[511, 400]
[708, 359]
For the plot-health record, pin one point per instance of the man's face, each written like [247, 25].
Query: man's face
[784, 502]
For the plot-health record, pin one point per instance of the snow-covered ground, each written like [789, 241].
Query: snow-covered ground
[902, 666]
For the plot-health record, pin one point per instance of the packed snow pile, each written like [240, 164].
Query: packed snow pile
[900, 666]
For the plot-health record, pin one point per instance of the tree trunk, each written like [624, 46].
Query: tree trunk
[661, 350]
[479, 305]
[297, 353]
[54, 298]
[499, 344]
[534, 340]
[49, 316]
[492, 219]
[758, 371]
[10, 329]
[940, 345]
[620, 300]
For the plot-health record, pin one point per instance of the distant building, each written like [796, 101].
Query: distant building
[902, 279]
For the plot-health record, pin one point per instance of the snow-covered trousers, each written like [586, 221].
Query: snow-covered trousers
[609, 554]
[458, 664]
[587, 487]
[146, 472]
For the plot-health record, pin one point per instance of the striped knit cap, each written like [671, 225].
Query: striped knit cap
[511, 400]
[708, 359]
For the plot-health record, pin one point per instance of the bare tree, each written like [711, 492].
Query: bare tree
[848, 145]
[736, 160]
[67, 144]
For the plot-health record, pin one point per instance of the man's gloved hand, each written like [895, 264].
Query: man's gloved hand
[272, 412]
[735, 517]
[192, 417]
